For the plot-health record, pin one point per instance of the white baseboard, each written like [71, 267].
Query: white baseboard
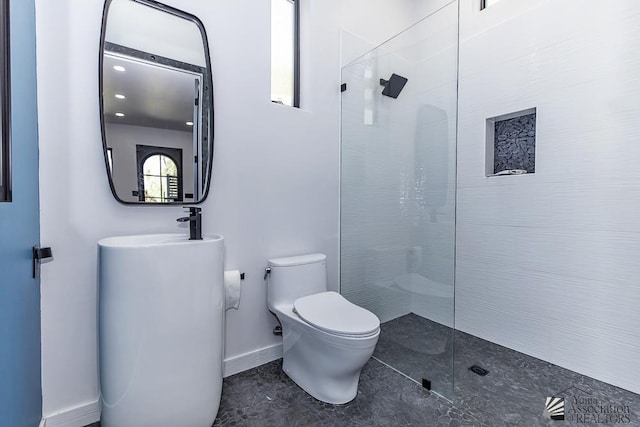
[252, 359]
[79, 416]
[88, 413]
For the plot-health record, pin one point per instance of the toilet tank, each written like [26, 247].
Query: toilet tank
[295, 277]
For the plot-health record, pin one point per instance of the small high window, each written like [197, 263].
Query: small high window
[285, 52]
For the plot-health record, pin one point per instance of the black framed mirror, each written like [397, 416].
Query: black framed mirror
[156, 103]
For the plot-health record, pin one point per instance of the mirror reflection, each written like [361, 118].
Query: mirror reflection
[157, 110]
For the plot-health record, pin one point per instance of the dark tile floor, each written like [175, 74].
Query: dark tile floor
[265, 396]
[512, 394]
[514, 391]
[419, 348]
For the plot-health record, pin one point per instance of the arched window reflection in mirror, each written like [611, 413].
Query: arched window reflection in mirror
[156, 91]
[160, 179]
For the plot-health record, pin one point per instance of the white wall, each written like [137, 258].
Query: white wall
[366, 24]
[547, 263]
[275, 179]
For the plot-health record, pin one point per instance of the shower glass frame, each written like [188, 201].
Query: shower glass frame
[398, 195]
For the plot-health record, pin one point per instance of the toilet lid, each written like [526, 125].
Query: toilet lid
[330, 312]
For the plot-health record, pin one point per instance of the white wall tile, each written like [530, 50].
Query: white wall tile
[546, 263]
[398, 173]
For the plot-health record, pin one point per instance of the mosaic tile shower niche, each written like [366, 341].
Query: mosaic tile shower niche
[511, 142]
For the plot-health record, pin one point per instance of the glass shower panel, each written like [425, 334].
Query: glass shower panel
[398, 195]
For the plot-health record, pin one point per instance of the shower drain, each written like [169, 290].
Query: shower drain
[478, 370]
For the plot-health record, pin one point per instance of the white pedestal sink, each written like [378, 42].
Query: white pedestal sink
[161, 330]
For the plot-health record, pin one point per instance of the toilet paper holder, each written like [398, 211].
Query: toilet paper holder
[232, 288]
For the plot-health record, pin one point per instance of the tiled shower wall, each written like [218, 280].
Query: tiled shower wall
[547, 262]
[398, 174]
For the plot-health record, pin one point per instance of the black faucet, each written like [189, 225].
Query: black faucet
[195, 222]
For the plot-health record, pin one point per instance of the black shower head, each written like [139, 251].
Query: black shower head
[393, 86]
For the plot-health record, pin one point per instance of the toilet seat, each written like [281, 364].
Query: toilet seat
[332, 313]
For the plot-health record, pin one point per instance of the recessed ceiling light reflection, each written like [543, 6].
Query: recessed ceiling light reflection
[189, 123]
[119, 68]
[120, 114]
[120, 96]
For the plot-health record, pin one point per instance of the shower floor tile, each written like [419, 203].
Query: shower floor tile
[265, 396]
[514, 391]
[512, 394]
[419, 348]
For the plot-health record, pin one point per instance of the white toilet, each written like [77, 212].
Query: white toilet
[326, 339]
